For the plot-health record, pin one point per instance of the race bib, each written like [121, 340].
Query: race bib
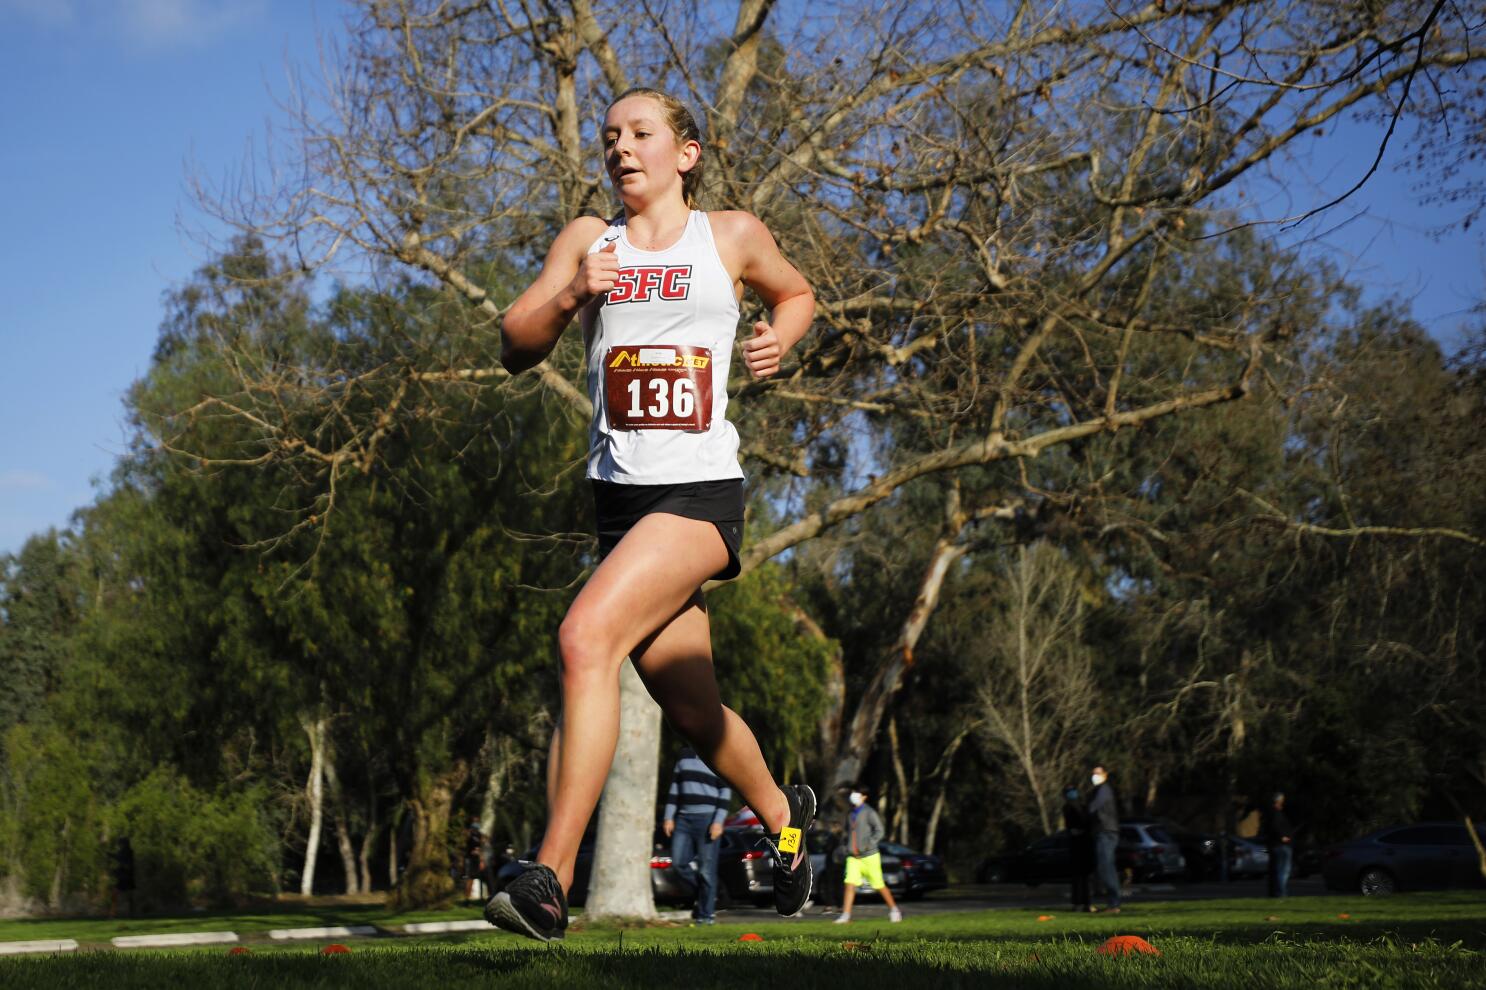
[658, 387]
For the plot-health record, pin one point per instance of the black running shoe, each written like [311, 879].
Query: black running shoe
[792, 876]
[532, 905]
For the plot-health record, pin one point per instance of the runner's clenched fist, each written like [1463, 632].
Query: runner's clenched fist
[597, 273]
[761, 351]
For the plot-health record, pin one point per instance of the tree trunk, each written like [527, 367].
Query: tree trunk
[900, 815]
[315, 792]
[59, 875]
[1470, 830]
[857, 744]
[427, 881]
[393, 828]
[620, 884]
[363, 860]
[502, 756]
[946, 766]
[342, 824]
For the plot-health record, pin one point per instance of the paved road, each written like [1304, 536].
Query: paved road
[1005, 896]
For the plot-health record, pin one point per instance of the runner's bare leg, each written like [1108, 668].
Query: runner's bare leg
[676, 665]
[640, 587]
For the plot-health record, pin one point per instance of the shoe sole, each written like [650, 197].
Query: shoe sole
[501, 913]
[809, 794]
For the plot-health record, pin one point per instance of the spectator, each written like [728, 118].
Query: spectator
[474, 860]
[696, 805]
[832, 889]
[1077, 821]
[1104, 813]
[1279, 836]
[863, 861]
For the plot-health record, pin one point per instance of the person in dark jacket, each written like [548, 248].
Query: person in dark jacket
[830, 884]
[1279, 837]
[1104, 814]
[1080, 847]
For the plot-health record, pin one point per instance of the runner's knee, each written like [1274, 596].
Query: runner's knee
[585, 650]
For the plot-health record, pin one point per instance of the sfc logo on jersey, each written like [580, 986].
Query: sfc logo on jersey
[650, 282]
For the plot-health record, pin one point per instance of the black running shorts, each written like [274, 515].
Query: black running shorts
[618, 507]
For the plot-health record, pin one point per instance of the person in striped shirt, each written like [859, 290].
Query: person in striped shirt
[696, 805]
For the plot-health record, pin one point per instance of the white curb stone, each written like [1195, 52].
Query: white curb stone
[432, 927]
[335, 931]
[38, 945]
[173, 938]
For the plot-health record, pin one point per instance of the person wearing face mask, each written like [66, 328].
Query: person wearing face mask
[1104, 810]
[863, 861]
[1077, 820]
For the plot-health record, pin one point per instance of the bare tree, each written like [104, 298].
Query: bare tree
[1039, 701]
[989, 199]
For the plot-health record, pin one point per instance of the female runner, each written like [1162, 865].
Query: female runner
[656, 291]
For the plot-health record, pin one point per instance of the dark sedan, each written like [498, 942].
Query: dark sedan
[1422, 856]
[1043, 861]
[1145, 852]
[922, 872]
[745, 868]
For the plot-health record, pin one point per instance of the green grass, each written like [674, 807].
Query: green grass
[1435, 940]
[100, 930]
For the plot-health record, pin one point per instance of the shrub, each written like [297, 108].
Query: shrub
[190, 846]
[50, 822]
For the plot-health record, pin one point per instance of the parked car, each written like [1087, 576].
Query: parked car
[1246, 857]
[666, 884]
[1148, 851]
[1043, 861]
[1198, 849]
[1308, 859]
[1145, 850]
[921, 872]
[745, 868]
[1421, 856]
[898, 880]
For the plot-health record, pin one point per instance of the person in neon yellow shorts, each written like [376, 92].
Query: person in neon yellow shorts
[863, 861]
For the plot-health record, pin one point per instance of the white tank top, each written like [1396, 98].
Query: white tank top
[659, 349]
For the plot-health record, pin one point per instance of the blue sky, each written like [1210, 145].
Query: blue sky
[106, 104]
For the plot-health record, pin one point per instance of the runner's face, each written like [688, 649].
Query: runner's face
[641, 153]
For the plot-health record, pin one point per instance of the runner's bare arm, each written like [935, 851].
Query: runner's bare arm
[570, 277]
[781, 287]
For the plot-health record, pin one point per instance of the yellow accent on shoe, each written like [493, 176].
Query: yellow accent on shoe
[789, 840]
